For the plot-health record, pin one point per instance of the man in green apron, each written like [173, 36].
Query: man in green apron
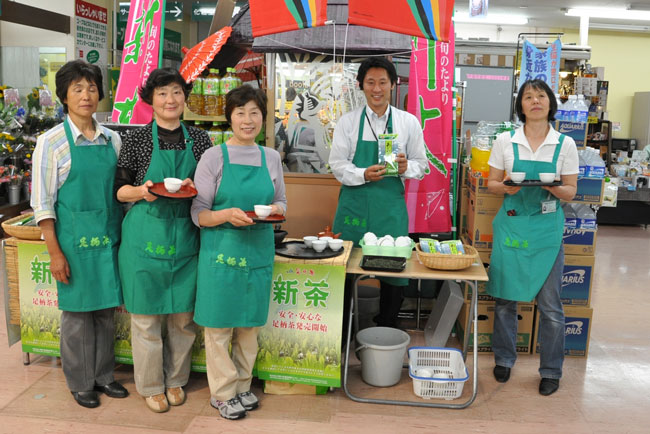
[74, 168]
[370, 201]
[528, 256]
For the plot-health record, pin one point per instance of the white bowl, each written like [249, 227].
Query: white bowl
[335, 244]
[547, 177]
[172, 185]
[319, 245]
[517, 176]
[309, 239]
[262, 211]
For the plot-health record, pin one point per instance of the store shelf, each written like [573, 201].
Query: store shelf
[191, 116]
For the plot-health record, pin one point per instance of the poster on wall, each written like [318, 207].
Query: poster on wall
[430, 100]
[91, 36]
[541, 65]
[142, 54]
[301, 342]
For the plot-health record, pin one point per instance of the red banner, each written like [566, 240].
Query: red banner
[276, 16]
[430, 99]
[430, 19]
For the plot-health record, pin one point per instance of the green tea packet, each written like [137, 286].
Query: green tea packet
[388, 150]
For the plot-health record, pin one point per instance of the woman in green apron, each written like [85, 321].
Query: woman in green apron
[74, 167]
[236, 256]
[160, 244]
[370, 201]
[528, 256]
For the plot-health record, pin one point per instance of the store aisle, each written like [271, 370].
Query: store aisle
[606, 393]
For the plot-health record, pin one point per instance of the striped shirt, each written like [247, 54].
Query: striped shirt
[51, 163]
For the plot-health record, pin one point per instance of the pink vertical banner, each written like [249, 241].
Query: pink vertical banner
[141, 55]
[430, 99]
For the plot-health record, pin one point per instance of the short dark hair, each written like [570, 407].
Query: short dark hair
[241, 95]
[74, 71]
[376, 62]
[537, 85]
[162, 77]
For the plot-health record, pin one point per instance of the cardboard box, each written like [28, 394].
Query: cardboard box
[577, 279]
[590, 190]
[525, 313]
[577, 330]
[464, 209]
[481, 212]
[579, 241]
[576, 130]
[478, 185]
[483, 296]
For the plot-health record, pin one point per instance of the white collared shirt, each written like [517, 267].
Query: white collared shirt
[51, 163]
[502, 156]
[344, 144]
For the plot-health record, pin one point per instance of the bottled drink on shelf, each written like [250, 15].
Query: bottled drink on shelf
[227, 133]
[195, 101]
[582, 109]
[216, 134]
[211, 86]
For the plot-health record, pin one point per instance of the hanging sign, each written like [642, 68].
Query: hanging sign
[276, 16]
[478, 8]
[91, 33]
[142, 54]
[430, 99]
[430, 19]
[537, 64]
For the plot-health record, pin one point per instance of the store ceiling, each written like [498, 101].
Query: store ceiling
[549, 13]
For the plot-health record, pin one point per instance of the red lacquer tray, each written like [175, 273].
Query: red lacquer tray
[273, 218]
[186, 192]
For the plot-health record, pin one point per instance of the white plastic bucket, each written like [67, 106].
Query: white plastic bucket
[381, 351]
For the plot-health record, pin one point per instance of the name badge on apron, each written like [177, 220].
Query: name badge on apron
[549, 206]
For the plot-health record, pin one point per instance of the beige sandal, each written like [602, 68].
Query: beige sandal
[157, 403]
[175, 395]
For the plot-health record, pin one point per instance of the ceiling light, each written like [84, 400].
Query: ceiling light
[491, 19]
[619, 27]
[614, 14]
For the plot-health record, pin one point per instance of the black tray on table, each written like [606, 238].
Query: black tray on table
[531, 183]
[298, 250]
[383, 263]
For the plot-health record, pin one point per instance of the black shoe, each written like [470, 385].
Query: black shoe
[87, 399]
[548, 386]
[114, 390]
[501, 373]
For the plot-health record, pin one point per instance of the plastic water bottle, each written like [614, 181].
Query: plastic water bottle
[586, 217]
[570, 217]
[572, 114]
[566, 110]
[582, 109]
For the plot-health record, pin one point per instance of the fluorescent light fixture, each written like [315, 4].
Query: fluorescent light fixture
[619, 27]
[609, 13]
[491, 19]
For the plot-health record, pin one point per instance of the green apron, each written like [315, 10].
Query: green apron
[236, 263]
[377, 207]
[526, 244]
[160, 244]
[88, 228]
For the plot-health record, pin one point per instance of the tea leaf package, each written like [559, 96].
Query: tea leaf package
[388, 150]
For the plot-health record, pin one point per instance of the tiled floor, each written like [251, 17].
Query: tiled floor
[606, 393]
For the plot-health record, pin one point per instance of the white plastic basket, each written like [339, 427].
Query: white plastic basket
[440, 361]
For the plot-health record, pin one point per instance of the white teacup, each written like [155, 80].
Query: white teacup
[319, 245]
[262, 211]
[172, 185]
[547, 177]
[335, 244]
[518, 176]
[326, 239]
[308, 240]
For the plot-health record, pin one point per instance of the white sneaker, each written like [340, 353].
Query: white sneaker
[231, 409]
[248, 400]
